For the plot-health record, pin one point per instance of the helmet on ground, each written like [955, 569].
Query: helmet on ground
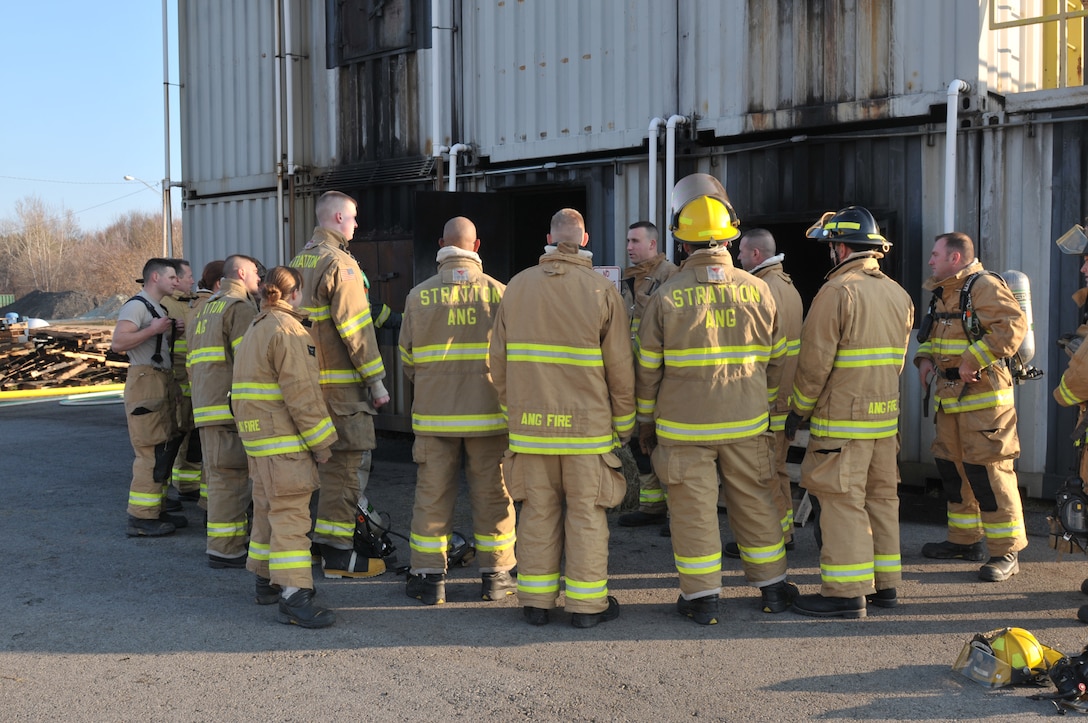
[1006, 656]
[701, 211]
[853, 225]
[460, 552]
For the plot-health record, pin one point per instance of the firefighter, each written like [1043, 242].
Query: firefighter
[210, 280]
[1072, 390]
[444, 337]
[853, 344]
[185, 477]
[757, 255]
[560, 357]
[144, 331]
[216, 332]
[976, 441]
[648, 271]
[285, 426]
[710, 355]
[351, 378]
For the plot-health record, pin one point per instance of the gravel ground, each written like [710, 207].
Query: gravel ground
[96, 626]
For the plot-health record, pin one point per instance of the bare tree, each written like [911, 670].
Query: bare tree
[36, 248]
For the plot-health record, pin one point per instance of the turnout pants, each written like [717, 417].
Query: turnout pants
[341, 477]
[187, 475]
[974, 452]
[691, 476]
[152, 430]
[856, 483]
[783, 493]
[279, 548]
[651, 493]
[439, 476]
[229, 490]
[563, 516]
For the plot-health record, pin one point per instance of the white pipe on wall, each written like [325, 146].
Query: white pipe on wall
[454, 150]
[956, 87]
[670, 170]
[167, 222]
[655, 125]
[279, 134]
[437, 148]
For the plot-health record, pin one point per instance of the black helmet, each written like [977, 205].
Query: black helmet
[853, 225]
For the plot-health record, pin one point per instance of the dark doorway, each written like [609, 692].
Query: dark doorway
[512, 225]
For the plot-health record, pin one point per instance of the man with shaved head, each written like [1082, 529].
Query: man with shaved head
[561, 360]
[443, 344]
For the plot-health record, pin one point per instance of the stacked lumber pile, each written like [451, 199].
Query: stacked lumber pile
[57, 357]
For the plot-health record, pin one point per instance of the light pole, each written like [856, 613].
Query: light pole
[167, 251]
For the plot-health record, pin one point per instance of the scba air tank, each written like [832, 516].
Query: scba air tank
[1021, 289]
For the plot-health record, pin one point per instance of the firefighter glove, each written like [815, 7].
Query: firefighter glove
[793, 421]
[647, 437]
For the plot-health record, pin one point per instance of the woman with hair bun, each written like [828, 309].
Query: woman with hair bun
[285, 428]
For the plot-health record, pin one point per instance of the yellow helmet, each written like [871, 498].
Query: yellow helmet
[701, 211]
[1006, 656]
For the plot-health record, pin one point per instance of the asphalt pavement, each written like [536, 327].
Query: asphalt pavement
[97, 626]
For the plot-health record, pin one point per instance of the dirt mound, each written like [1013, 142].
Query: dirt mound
[107, 308]
[51, 305]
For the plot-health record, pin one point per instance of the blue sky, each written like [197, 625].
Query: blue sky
[81, 84]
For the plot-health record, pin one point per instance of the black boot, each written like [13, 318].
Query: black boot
[266, 592]
[429, 588]
[703, 610]
[819, 606]
[999, 569]
[497, 585]
[777, 598]
[588, 620]
[299, 609]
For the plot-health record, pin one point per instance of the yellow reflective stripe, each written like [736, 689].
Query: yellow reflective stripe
[494, 543]
[649, 359]
[1067, 395]
[405, 356]
[529, 444]
[831, 225]
[945, 347]
[853, 428]
[686, 432]
[964, 521]
[318, 433]
[698, 565]
[780, 348]
[227, 529]
[803, 403]
[925, 348]
[787, 522]
[339, 376]
[259, 550]
[372, 368]
[213, 413]
[634, 324]
[318, 313]
[1011, 528]
[645, 407]
[207, 355]
[177, 474]
[718, 355]
[874, 356]
[186, 389]
[143, 499]
[762, 555]
[586, 590]
[860, 572]
[181, 346]
[256, 390]
[234, 343]
[429, 544]
[554, 354]
[625, 423]
[971, 402]
[334, 528]
[538, 583]
[887, 563]
[354, 324]
[464, 423]
[982, 354]
[290, 560]
[772, 394]
[793, 347]
[778, 422]
[274, 445]
[449, 352]
[651, 495]
[383, 315]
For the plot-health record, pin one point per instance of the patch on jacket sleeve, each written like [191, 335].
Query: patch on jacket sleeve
[312, 350]
[715, 274]
[348, 274]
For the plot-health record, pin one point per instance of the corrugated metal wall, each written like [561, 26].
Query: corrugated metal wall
[216, 228]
